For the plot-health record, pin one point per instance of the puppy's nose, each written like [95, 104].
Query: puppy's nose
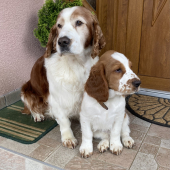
[136, 83]
[64, 42]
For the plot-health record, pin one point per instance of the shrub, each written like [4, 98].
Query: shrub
[47, 16]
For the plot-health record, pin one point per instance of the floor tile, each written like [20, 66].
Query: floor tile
[62, 156]
[131, 116]
[163, 157]
[159, 131]
[78, 163]
[162, 168]
[11, 161]
[48, 168]
[149, 149]
[137, 135]
[42, 152]
[141, 122]
[19, 147]
[141, 128]
[144, 162]
[2, 139]
[165, 143]
[54, 134]
[125, 159]
[49, 142]
[152, 140]
[32, 165]
[137, 145]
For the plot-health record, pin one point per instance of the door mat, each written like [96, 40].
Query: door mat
[152, 109]
[21, 127]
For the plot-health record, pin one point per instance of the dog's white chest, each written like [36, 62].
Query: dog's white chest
[66, 79]
[100, 118]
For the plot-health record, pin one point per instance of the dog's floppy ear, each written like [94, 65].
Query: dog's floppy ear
[98, 38]
[96, 85]
[52, 40]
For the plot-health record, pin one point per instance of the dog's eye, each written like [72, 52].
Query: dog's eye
[78, 23]
[118, 70]
[59, 26]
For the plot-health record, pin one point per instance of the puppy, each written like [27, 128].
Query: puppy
[103, 107]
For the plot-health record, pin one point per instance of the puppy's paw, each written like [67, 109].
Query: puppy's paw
[103, 145]
[116, 148]
[38, 117]
[70, 143]
[86, 150]
[128, 142]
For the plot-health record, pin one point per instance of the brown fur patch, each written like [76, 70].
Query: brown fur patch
[36, 90]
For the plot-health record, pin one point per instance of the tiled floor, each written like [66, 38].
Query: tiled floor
[151, 152]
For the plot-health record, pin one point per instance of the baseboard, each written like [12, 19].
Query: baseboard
[155, 93]
[10, 98]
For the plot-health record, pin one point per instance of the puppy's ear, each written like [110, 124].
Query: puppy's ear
[52, 40]
[98, 38]
[96, 85]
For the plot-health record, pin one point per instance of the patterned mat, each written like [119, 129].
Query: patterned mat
[152, 109]
[20, 127]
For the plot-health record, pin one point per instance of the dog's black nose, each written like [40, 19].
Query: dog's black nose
[136, 83]
[64, 42]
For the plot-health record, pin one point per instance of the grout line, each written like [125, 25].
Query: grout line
[25, 156]
[140, 145]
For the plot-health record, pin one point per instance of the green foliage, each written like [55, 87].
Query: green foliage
[47, 17]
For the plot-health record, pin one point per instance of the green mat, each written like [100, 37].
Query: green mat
[21, 127]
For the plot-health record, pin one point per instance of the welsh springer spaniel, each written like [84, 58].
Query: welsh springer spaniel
[103, 107]
[57, 79]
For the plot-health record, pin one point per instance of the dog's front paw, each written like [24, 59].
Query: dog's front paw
[128, 142]
[70, 143]
[86, 150]
[103, 145]
[38, 117]
[116, 148]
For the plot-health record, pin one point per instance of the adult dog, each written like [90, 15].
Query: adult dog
[57, 79]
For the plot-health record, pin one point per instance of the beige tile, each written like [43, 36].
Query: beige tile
[159, 131]
[138, 127]
[131, 116]
[2, 139]
[78, 163]
[42, 152]
[165, 143]
[163, 157]
[33, 165]
[141, 122]
[125, 159]
[162, 168]
[137, 145]
[11, 161]
[48, 168]
[49, 142]
[54, 134]
[137, 135]
[152, 140]
[149, 149]
[144, 162]
[19, 147]
[62, 156]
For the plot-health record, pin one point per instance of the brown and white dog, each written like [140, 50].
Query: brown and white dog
[57, 79]
[103, 107]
